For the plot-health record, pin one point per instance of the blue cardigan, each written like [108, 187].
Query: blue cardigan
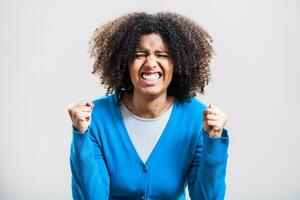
[105, 164]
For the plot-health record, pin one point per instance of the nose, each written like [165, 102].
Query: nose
[150, 61]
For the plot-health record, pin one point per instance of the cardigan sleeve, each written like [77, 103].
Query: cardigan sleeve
[206, 178]
[90, 177]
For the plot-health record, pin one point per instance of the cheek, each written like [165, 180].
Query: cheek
[134, 71]
[169, 72]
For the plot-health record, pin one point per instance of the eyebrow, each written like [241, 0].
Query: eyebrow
[145, 50]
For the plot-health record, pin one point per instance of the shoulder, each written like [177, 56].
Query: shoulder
[102, 101]
[104, 104]
[190, 111]
[189, 118]
[193, 104]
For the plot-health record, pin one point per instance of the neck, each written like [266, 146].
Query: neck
[147, 107]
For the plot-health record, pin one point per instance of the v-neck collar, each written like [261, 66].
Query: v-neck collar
[126, 138]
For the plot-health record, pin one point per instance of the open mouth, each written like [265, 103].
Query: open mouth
[150, 76]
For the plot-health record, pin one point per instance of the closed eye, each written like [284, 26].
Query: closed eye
[140, 54]
[165, 55]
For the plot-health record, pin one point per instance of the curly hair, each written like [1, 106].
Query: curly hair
[114, 45]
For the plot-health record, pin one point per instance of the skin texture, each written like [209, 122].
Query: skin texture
[152, 57]
[80, 114]
[149, 98]
[214, 120]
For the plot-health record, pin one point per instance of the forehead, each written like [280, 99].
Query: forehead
[152, 41]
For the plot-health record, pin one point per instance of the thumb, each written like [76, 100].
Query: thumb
[90, 104]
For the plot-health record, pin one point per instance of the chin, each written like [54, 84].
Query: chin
[151, 92]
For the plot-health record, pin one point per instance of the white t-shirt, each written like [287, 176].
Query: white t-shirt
[144, 132]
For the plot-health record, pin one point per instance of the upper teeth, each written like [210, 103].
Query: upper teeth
[152, 76]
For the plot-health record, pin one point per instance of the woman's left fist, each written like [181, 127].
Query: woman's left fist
[214, 121]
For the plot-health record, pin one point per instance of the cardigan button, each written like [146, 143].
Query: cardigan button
[145, 168]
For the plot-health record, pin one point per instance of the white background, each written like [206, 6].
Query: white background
[45, 66]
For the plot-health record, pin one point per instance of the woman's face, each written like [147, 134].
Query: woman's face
[151, 70]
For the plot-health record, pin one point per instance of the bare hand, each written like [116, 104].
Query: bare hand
[80, 114]
[214, 121]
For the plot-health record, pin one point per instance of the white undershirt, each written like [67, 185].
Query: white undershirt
[144, 132]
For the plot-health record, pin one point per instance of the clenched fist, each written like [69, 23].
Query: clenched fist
[214, 121]
[80, 113]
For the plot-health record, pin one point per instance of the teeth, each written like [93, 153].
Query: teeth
[150, 76]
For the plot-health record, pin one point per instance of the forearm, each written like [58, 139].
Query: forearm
[90, 178]
[211, 171]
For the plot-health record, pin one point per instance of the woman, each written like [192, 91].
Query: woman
[149, 137]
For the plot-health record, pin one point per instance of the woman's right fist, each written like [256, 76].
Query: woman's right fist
[80, 114]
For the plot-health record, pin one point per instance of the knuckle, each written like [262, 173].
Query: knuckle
[71, 112]
[83, 102]
[76, 113]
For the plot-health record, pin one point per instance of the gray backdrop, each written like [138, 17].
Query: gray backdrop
[44, 66]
